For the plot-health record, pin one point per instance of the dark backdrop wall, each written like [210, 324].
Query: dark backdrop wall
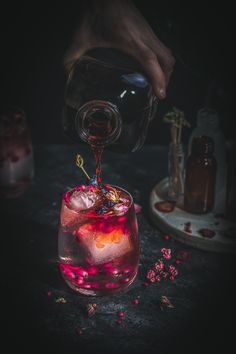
[34, 39]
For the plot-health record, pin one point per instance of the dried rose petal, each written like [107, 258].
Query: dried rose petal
[173, 271]
[90, 310]
[49, 293]
[145, 284]
[166, 252]
[159, 265]
[165, 302]
[166, 237]
[188, 227]
[150, 274]
[205, 232]
[120, 314]
[183, 256]
[157, 278]
[137, 208]
[135, 301]
[165, 206]
[153, 279]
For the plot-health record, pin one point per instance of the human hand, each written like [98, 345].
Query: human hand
[119, 24]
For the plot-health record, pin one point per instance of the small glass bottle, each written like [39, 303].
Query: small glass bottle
[200, 177]
[208, 123]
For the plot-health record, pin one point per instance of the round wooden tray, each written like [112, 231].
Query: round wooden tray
[174, 222]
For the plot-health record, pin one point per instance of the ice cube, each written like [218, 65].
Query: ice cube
[69, 219]
[102, 247]
[82, 200]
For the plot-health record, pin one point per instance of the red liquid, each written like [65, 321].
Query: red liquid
[98, 155]
[99, 253]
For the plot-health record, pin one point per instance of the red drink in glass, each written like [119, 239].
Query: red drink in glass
[98, 240]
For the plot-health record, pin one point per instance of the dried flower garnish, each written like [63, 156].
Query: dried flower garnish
[162, 269]
[165, 206]
[205, 232]
[177, 119]
[166, 253]
[151, 275]
[159, 265]
[91, 309]
[145, 284]
[136, 302]
[61, 300]
[173, 271]
[165, 303]
[49, 293]
[113, 194]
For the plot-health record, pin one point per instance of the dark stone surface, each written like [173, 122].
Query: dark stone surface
[202, 293]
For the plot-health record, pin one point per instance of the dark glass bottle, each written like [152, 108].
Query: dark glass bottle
[200, 176]
[230, 210]
[108, 101]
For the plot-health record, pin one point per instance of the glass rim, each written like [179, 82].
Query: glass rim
[83, 211]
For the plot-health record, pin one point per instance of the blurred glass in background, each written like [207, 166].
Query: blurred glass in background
[16, 153]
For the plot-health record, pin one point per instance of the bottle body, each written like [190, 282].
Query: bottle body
[200, 178]
[107, 93]
[208, 124]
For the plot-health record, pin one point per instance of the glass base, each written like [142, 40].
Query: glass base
[100, 292]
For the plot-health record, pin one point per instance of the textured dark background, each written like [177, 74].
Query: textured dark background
[33, 41]
[34, 38]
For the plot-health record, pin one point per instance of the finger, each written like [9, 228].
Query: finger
[152, 68]
[164, 57]
[167, 63]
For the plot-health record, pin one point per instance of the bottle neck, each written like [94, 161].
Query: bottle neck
[208, 119]
[98, 123]
[202, 146]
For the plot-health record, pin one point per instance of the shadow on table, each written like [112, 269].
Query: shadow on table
[30, 270]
